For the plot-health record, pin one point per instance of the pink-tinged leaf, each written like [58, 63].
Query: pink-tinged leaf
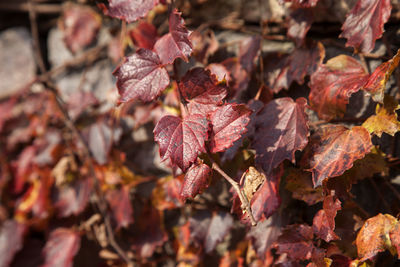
[120, 205]
[281, 129]
[141, 76]
[324, 220]
[301, 3]
[176, 43]
[196, 179]
[144, 35]
[249, 49]
[299, 21]
[80, 25]
[100, 141]
[11, 240]
[334, 148]
[181, 140]
[364, 24]
[128, 10]
[239, 78]
[80, 102]
[333, 84]
[228, 125]
[22, 167]
[61, 248]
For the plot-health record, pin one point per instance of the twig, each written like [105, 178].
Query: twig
[245, 202]
[364, 62]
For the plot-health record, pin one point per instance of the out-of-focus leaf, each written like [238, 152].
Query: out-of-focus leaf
[79, 102]
[249, 49]
[11, 240]
[22, 167]
[301, 3]
[196, 180]
[364, 24]
[324, 220]
[6, 111]
[72, 199]
[144, 35]
[128, 10]
[61, 248]
[334, 148]
[239, 78]
[300, 184]
[176, 43]
[300, 20]
[333, 84]
[281, 129]
[181, 140]
[100, 141]
[141, 76]
[120, 205]
[167, 195]
[204, 44]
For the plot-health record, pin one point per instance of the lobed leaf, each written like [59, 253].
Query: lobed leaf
[128, 10]
[196, 179]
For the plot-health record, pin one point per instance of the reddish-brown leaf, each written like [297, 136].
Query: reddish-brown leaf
[228, 125]
[196, 179]
[120, 205]
[324, 220]
[11, 240]
[181, 140]
[128, 10]
[300, 184]
[364, 24]
[249, 49]
[332, 85]
[176, 43]
[61, 248]
[239, 78]
[299, 20]
[395, 238]
[144, 35]
[376, 83]
[334, 148]
[204, 44]
[141, 76]
[167, 194]
[281, 129]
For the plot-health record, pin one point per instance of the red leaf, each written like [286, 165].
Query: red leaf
[299, 21]
[128, 10]
[334, 148]
[364, 23]
[11, 240]
[144, 35]
[324, 220]
[249, 49]
[181, 140]
[120, 205]
[141, 76]
[167, 193]
[228, 125]
[196, 179]
[22, 167]
[301, 3]
[239, 78]
[61, 248]
[332, 85]
[176, 43]
[281, 130]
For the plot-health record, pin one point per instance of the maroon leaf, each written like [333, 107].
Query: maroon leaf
[141, 76]
[332, 85]
[181, 140]
[364, 23]
[176, 43]
[196, 179]
[281, 130]
[11, 240]
[239, 78]
[324, 220]
[249, 49]
[300, 21]
[61, 248]
[120, 205]
[128, 10]
[228, 125]
[144, 35]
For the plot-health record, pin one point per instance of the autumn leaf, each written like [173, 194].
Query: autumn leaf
[333, 84]
[141, 76]
[364, 24]
[300, 184]
[333, 150]
[72, 199]
[301, 3]
[228, 125]
[249, 49]
[11, 240]
[299, 20]
[167, 193]
[128, 10]
[100, 141]
[176, 43]
[395, 238]
[121, 207]
[376, 83]
[324, 220]
[181, 140]
[196, 179]
[281, 129]
[144, 35]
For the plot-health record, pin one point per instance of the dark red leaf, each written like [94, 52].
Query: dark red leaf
[181, 140]
[228, 125]
[11, 240]
[324, 220]
[301, 3]
[176, 43]
[120, 205]
[128, 10]
[61, 248]
[196, 179]
[141, 76]
[281, 129]
[332, 85]
[144, 35]
[299, 21]
[364, 24]
[249, 49]
[100, 141]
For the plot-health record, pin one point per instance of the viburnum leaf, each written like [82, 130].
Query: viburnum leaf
[181, 140]
[196, 179]
[141, 76]
[300, 184]
[281, 129]
[249, 49]
[121, 206]
[324, 220]
[228, 125]
[299, 20]
[176, 43]
[128, 10]
[376, 83]
[61, 248]
[301, 3]
[364, 24]
[334, 148]
[11, 240]
[374, 236]
[144, 35]
[332, 85]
